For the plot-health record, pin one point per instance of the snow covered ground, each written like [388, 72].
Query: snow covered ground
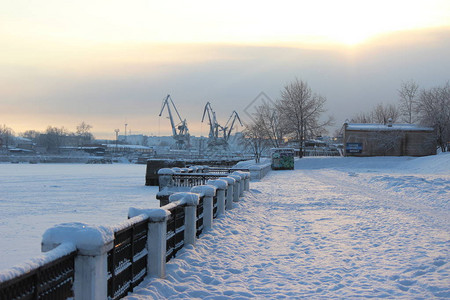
[333, 228]
[34, 197]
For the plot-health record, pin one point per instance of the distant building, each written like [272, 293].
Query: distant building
[133, 139]
[388, 140]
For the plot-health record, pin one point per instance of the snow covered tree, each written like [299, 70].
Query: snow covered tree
[433, 109]
[408, 93]
[302, 109]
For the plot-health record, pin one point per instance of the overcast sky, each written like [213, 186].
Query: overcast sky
[113, 62]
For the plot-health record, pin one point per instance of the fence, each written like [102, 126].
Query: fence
[51, 281]
[127, 261]
[109, 262]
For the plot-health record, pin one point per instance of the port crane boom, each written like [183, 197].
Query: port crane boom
[227, 129]
[180, 131]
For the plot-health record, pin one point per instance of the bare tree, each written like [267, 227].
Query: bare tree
[268, 117]
[382, 113]
[254, 138]
[408, 93]
[362, 118]
[6, 136]
[433, 109]
[302, 109]
[52, 139]
[83, 133]
[31, 134]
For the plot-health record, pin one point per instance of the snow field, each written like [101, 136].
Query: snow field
[333, 228]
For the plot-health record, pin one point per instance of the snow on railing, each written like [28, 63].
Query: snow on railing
[86, 262]
[127, 261]
[49, 276]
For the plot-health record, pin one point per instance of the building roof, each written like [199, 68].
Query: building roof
[385, 127]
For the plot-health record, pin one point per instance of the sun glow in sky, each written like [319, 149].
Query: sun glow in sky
[44, 40]
[234, 21]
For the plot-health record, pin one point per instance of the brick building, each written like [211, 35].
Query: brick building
[388, 140]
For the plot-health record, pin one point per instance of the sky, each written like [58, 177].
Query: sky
[110, 63]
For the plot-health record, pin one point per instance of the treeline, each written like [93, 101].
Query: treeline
[50, 140]
[428, 107]
[296, 115]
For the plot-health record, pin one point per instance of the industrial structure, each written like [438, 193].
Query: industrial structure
[219, 135]
[180, 131]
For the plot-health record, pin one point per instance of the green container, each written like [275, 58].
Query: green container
[282, 159]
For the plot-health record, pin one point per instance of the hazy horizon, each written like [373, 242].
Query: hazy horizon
[64, 65]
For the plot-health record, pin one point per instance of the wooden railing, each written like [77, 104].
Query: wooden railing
[127, 261]
[51, 281]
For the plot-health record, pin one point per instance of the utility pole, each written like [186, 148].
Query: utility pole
[126, 132]
[117, 137]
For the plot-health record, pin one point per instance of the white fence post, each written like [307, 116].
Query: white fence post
[237, 187]
[156, 239]
[165, 178]
[190, 200]
[208, 191]
[230, 191]
[247, 181]
[242, 182]
[91, 262]
[221, 186]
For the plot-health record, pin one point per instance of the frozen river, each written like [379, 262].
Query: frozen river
[34, 197]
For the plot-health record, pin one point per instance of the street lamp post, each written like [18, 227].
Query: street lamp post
[117, 137]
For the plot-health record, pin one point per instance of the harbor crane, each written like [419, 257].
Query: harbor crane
[219, 135]
[214, 127]
[180, 131]
[228, 128]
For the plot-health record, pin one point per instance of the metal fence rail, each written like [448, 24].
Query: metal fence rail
[51, 281]
[226, 170]
[127, 261]
[215, 206]
[175, 231]
[199, 222]
[192, 179]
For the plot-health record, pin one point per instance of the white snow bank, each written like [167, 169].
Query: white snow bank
[85, 237]
[206, 190]
[37, 262]
[218, 183]
[154, 214]
[427, 164]
[129, 222]
[330, 231]
[249, 163]
[185, 198]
